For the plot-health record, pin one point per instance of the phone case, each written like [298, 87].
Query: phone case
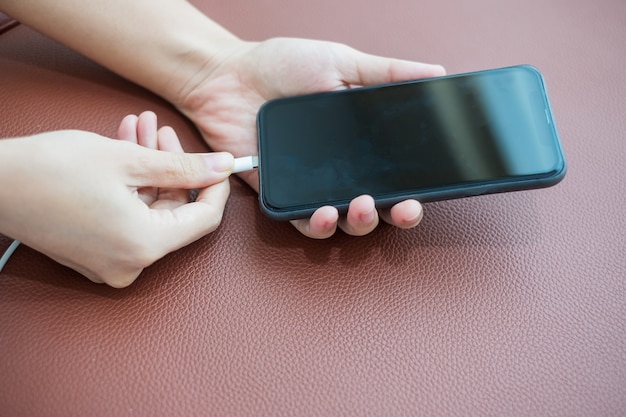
[545, 179]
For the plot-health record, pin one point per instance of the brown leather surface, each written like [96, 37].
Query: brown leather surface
[499, 305]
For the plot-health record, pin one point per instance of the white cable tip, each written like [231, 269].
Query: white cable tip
[7, 254]
[245, 163]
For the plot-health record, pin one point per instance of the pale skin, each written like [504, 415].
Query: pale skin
[218, 80]
[109, 208]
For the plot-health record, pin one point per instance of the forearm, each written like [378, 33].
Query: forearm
[159, 44]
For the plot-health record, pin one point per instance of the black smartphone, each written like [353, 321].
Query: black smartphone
[433, 139]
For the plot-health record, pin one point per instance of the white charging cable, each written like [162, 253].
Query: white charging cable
[7, 254]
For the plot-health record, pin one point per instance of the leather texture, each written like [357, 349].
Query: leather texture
[507, 305]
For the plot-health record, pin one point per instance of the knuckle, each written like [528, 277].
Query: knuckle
[133, 256]
[214, 220]
[182, 167]
[121, 280]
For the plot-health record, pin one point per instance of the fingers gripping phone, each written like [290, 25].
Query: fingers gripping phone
[434, 139]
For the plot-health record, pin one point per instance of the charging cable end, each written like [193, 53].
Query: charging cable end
[245, 163]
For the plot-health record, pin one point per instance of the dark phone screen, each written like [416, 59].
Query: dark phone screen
[409, 138]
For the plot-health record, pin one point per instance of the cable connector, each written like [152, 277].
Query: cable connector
[245, 163]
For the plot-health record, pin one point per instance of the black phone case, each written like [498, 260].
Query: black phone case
[425, 196]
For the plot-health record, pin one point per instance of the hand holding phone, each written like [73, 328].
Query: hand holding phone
[448, 137]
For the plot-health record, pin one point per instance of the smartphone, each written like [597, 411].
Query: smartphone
[432, 139]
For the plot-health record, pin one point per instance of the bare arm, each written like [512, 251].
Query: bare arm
[83, 200]
[219, 81]
[159, 44]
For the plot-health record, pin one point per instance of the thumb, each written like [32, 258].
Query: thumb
[153, 168]
[359, 68]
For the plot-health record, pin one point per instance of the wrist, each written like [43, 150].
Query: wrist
[220, 68]
[203, 53]
[167, 54]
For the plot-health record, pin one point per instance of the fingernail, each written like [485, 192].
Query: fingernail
[415, 219]
[329, 226]
[219, 161]
[439, 70]
[368, 217]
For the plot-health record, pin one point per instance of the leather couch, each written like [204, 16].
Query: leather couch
[511, 304]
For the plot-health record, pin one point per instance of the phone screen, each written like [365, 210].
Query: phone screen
[434, 138]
